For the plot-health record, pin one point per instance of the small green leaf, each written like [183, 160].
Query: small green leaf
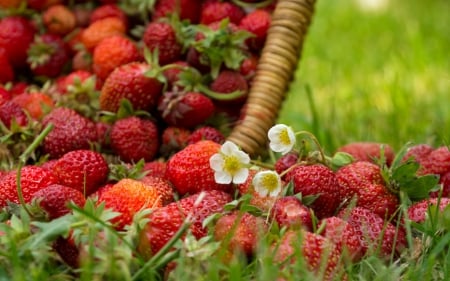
[49, 231]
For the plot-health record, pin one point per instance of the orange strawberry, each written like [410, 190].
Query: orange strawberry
[106, 11]
[59, 19]
[37, 104]
[164, 188]
[101, 29]
[129, 197]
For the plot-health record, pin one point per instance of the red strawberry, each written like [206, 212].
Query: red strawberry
[189, 169]
[71, 131]
[185, 109]
[321, 255]
[54, 199]
[48, 55]
[84, 170]
[285, 162]
[59, 19]
[418, 212]
[174, 139]
[41, 5]
[206, 133]
[162, 186]
[172, 74]
[290, 212]
[368, 151]
[185, 9]
[155, 168]
[376, 235]
[162, 36]
[37, 104]
[64, 83]
[240, 231]
[213, 11]
[344, 235]
[129, 81]
[418, 152]
[106, 11]
[6, 70]
[134, 138]
[32, 179]
[437, 162]
[257, 22]
[248, 67]
[164, 222]
[16, 35]
[317, 180]
[10, 111]
[230, 81]
[128, 197]
[111, 53]
[444, 180]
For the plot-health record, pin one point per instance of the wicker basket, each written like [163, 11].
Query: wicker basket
[278, 62]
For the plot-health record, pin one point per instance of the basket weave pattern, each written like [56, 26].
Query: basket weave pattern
[278, 62]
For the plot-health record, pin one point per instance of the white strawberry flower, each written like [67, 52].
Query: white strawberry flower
[267, 183]
[230, 164]
[281, 138]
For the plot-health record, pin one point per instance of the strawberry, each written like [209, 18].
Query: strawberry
[240, 231]
[162, 186]
[111, 53]
[206, 133]
[172, 74]
[264, 203]
[317, 180]
[48, 55]
[320, 254]
[185, 9]
[10, 111]
[16, 35]
[59, 19]
[130, 81]
[84, 170]
[106, 11]
[291, 213]
[129, 197]
[4, 95]
[101, 29]
[213, 11]
[67, 250]
[173, 139]
[444, 180]
[418, 152]
[230, 81]
[343, 235]
[185, 109]
[286, 161]
[41, 5]
[6, 70]
[376, 235]
[32, 179]
[37, 104]
[257, 22]
[437, 162]
[368, 151]
[134, 138]
[162, 36]
[418, 211]
[64, 83]
[155, 168]
[248, 67]
[71, 131]
[189, 170]
[54, 198]
[164, 222]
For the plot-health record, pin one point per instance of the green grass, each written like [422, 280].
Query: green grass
[374, 76]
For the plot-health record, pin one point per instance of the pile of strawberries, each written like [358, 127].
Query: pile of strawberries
[124, 104]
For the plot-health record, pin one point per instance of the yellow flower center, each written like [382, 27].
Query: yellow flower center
[270, 182]
[284, 137]
[231, 164]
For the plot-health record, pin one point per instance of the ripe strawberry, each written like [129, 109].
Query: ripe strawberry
[214, 11]
[41, 5]
[257, 22]
[10, 111]
[172, 74]
[111, 53]
[248, 67]
[376, 235]
[368, 151]
[189, 169]
[75, 78]
[106, 11]
[291, 213]
[437, 162]
[6, 70]
[48, 55]
[37, 104]
[162, 36]
[444, 180]
[317, 180]
[4, 95]
[240, 231]
[162, 186]
[101, 29]
[185, 9]
[130, 81]
[83, 170]
[206, 133]
[67, 250]
[128, 197]
[32, 179]
[71, 131]
[285, 162]
[185, 109]
[230, 81]
[164, 222]
[59, 19]
[16, 35]
[321, 255]
[173, 139]
[418, 211]
[418, 152]
[134, 138]
[54, 198]
[155, 168]
[344, 235]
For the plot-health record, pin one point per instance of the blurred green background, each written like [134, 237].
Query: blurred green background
[374, 70]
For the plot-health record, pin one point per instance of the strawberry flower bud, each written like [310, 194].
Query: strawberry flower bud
[282, 138]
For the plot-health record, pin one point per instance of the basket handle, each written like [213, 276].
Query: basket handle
[276, 67]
